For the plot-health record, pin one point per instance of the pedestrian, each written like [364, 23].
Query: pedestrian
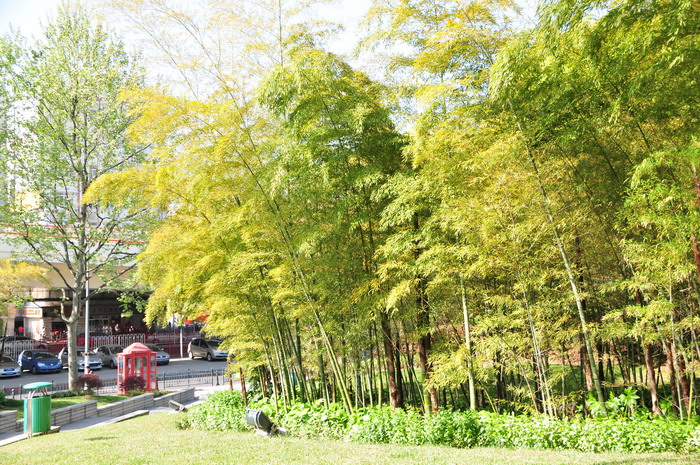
[20, 330]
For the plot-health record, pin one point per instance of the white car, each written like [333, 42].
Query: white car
[162, 357]
[9, 367]
[206, 348]
[108, 354]
[95, 361]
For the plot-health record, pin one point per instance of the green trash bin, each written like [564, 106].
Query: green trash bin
[37, 408]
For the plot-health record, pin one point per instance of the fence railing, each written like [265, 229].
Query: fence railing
[116, 339]
[169, 342]
[14, 348]
[166, 382]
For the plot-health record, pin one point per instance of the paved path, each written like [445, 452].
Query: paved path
[200, 393]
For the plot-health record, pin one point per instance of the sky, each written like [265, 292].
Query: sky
[29, 15]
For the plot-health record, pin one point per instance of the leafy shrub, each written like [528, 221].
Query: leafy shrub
[386, 425]
[222, 411]
[451, 428]
[311, 420]
[624, 405]
[3, 396]
[89, 382]
[610, 434]
[692, 444]
[134, 383]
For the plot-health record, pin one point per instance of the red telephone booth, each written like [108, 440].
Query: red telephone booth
[137, 360]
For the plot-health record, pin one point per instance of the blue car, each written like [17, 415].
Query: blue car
[39, 361]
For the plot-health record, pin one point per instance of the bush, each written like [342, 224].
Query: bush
[225, 411]
[134, 383]
[88, 383]
[311, 420]
[222, 411]
[3, 396]
[637, 434]
[451, 428]
[386, 425]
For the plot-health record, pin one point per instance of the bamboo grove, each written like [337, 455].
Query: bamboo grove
[505, 217]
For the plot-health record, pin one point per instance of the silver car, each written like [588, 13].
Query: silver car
[206, 348]
[94, 360]
[162, 357]
[9, 367]
[108, 354]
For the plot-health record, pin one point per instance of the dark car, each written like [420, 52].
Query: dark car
[8, 367]
[39, 361]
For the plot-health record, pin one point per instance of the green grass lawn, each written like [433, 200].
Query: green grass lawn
[154, 440]
[18, 405]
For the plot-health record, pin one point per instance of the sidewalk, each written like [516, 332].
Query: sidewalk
[200, 393]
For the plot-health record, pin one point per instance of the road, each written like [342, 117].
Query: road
[175, 365]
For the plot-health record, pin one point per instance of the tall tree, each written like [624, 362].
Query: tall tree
[65, 126]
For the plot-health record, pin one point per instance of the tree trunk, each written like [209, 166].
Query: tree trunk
[399, 370]
[587, 369]
[379, 385]
[468, 346]
[651, 379]
[424, 343]
[682, 377]
[395, 392]
[244, 393]
[72, 330]
[263, 381]
[672, 378]
[423, 327]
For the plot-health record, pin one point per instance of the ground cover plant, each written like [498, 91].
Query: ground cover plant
[224, 411]
[155, 440]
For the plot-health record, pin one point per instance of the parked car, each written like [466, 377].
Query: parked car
[108, 354]
[9, 367]
[95, 361]
[39, 361]
[162, 357]
[206, 348]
